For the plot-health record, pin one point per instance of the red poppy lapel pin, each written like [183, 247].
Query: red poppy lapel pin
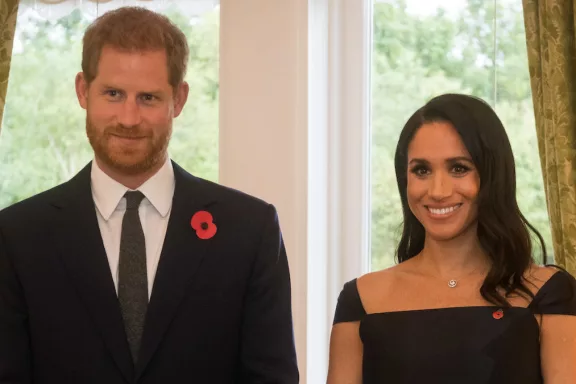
[498, 314]
[202, 222]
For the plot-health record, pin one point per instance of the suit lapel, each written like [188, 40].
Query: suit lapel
[182, 254]
[82, 251]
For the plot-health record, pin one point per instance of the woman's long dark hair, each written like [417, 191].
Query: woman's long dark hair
[503, 231]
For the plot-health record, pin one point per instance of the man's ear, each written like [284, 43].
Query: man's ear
[180, 98]
[82, 90]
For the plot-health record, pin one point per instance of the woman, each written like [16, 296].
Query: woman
[466, 303]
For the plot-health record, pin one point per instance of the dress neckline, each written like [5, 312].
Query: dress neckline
[541, 292]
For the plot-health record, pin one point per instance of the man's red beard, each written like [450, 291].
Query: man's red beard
[127, 160]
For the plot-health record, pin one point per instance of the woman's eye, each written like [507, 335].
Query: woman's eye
[460, 169]
[420, 171]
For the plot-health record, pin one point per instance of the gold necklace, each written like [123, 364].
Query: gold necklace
[453, 283]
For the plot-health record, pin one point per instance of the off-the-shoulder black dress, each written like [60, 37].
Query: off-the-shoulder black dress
[462, 345]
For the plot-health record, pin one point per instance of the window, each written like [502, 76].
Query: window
[43, 141]
[422, 49]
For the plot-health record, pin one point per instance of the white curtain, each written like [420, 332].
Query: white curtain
[55, 9]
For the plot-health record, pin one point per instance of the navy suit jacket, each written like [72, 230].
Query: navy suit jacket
[220, 309]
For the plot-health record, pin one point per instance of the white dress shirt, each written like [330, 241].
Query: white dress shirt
[154, 213]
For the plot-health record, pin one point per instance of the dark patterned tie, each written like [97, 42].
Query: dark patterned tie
[132, 276]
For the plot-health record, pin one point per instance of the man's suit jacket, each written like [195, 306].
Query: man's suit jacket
[219, 312]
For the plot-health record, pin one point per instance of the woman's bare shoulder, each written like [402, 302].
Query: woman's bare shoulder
[379, 278]
[374, 286]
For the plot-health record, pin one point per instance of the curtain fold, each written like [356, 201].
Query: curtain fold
[550, 38]
[8, 14]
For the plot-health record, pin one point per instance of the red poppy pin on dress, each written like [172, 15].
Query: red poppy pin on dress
[202, 223]
[498, 314]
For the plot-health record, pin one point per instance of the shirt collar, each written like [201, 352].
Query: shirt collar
[108, 193]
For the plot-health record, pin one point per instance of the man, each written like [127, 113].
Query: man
[136, 271]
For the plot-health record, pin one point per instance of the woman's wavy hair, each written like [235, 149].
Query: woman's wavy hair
[503, 232]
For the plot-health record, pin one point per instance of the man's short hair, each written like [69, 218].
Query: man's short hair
[135, 29]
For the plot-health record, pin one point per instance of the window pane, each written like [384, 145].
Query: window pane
[423, 49]
[43, 141]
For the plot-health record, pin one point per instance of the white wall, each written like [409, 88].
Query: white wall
[263, 122]
[294, 130]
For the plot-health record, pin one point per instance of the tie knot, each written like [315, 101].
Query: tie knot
[133, 199]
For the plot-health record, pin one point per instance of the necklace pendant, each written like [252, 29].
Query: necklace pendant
[452, 283]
